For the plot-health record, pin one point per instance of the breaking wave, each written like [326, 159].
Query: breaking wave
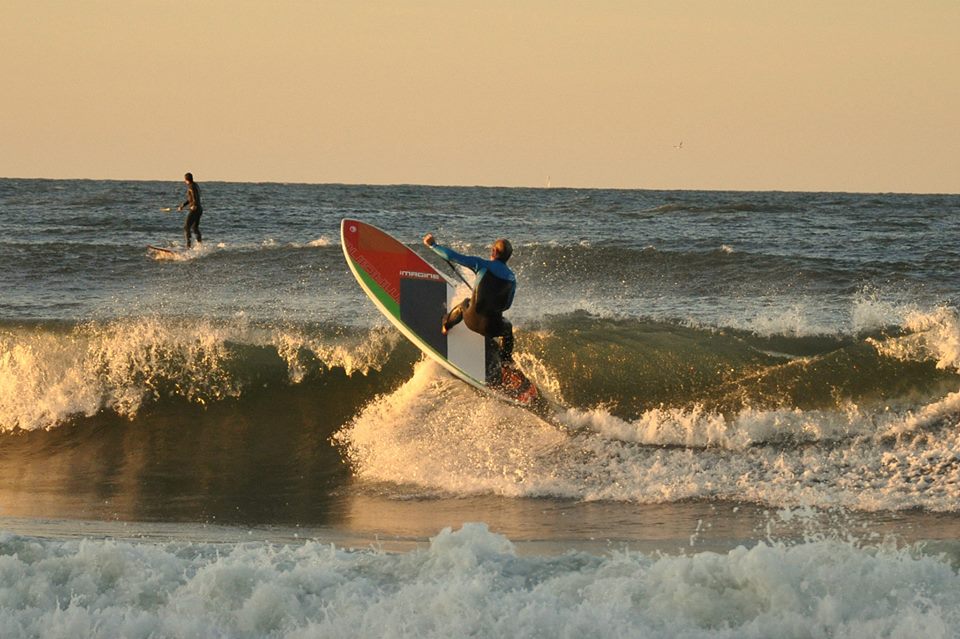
[52, 372]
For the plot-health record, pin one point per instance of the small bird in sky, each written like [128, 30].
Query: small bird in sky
[678, 146]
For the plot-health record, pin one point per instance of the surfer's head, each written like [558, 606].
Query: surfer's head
[502, 250]
[188, 177]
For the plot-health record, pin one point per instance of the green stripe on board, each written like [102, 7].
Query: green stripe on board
[388, 302]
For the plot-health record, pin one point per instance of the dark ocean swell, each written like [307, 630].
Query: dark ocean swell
[712, 267]
[631, 366]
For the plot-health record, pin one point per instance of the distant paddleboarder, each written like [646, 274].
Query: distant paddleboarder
[196, 209]
[493, 292]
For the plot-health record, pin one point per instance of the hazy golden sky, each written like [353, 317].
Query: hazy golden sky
[800, 95]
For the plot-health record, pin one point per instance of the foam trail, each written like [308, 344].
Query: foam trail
[480, 444]
[700, 428]
[434, 436]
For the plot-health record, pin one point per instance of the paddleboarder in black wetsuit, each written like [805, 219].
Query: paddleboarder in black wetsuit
[493, 292]
[196, 209]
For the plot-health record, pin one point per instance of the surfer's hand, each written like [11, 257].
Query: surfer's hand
[428, 239]
[180, 208]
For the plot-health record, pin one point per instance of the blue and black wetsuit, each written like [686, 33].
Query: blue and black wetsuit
[493, 291]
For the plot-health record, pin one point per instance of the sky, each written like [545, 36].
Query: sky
[805, 95]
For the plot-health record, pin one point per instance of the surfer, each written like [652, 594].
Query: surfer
[493, 292]
[196, 209]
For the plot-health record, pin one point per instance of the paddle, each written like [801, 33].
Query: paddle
[429, 241]
[456, 271]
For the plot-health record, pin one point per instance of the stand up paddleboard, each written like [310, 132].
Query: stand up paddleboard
[161, 250]
[413, 295]
[173, 253]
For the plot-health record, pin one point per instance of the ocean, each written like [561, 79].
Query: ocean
[759, 433]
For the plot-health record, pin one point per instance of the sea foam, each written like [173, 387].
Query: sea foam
[469, 582]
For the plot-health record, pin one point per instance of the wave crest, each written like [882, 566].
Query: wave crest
[49, 374]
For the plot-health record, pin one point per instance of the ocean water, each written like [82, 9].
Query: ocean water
[759, 433]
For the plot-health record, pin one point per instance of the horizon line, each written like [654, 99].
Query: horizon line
[491, 186]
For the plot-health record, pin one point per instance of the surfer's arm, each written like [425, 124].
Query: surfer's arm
[471, 262]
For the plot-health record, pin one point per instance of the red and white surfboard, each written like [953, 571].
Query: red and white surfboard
[414, 296]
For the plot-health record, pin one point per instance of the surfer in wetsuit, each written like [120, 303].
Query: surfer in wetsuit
[196, 209]
[493, 292]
